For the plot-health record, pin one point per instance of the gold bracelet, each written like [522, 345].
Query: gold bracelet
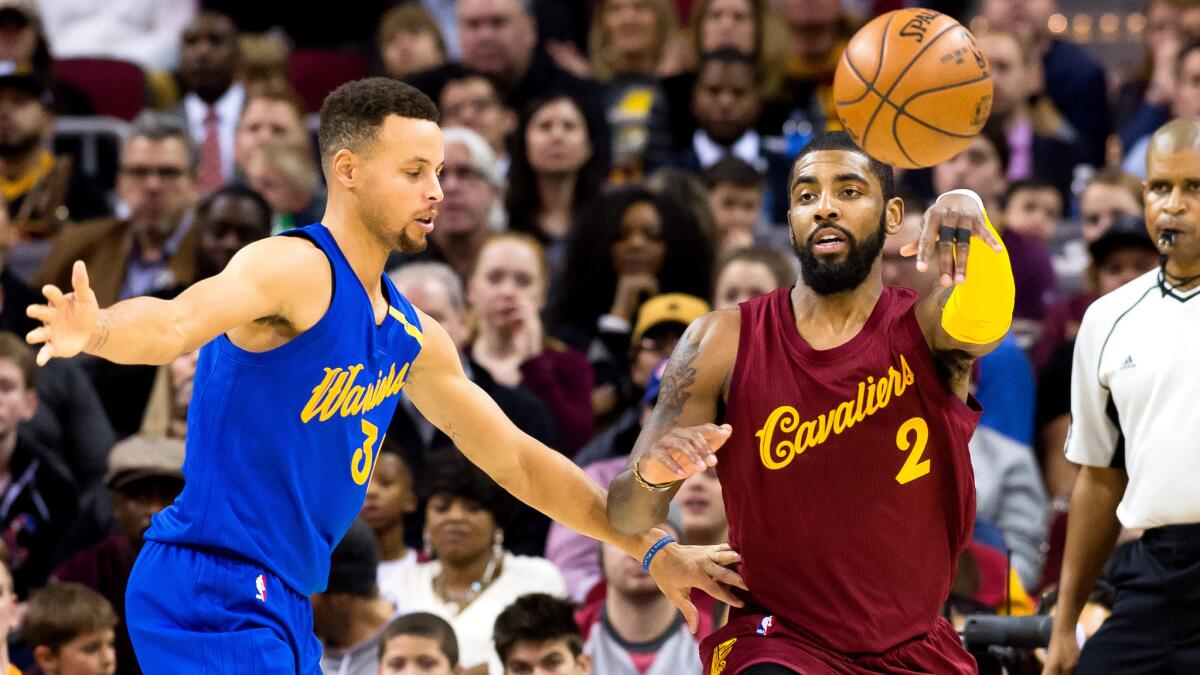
[653, 487]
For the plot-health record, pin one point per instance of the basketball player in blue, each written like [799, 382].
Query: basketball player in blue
[305, 347]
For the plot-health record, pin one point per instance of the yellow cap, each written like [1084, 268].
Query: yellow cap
[668, 308]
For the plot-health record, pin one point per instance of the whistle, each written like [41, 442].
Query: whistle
[1166, 238]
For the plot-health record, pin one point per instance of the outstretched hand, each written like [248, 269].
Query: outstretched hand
[682, 453]
[948, 227]
[677, 569]
[69, 320]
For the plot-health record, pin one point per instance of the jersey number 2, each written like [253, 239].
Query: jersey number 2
[360, 466]
[914, 467]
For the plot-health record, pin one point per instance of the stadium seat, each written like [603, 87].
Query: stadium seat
[316, 72]
[115, 88]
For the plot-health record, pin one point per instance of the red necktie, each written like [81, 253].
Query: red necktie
[209, 174]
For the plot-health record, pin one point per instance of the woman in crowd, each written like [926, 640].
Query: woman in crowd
[472, 578]
[748, 272]
[555, 170]
[508, 293]
[627, 41]
[654, 246]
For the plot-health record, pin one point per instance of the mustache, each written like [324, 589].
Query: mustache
[821, 225]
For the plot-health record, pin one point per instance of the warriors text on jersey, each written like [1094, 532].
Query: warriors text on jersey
[281, 443]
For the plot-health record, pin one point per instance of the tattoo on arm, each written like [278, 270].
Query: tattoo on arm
[100, 338]
[676, 382]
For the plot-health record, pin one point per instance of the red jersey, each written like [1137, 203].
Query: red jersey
[847, 480]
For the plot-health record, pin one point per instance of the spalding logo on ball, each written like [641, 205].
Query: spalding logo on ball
[912, 88]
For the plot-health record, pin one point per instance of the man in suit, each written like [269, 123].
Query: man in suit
[153, 248]
[212, 101]
[727, 101]
[151, 251]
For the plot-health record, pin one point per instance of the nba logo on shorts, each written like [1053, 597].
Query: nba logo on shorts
[767, 623]
[260, 583]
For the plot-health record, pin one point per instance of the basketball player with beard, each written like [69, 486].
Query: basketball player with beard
[844, 463]
[305, 346]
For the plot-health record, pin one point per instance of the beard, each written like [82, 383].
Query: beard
[828, 278]
[376, 222]
[13, 146]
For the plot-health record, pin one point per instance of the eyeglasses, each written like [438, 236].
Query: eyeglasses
[142, 172]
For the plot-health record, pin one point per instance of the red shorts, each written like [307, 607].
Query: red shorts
[745, 642]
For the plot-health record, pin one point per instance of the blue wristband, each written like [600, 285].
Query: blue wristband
[658, 546]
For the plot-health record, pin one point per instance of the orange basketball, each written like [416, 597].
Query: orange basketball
[913, 88]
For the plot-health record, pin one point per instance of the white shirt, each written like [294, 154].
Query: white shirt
[747, 148]
[228, 109]
[412, 589]
[1135, 384]
[145, 32]
[388, 570]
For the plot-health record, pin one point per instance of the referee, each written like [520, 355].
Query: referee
[1135, 429]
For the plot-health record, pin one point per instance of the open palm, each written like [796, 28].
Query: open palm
[68, 319]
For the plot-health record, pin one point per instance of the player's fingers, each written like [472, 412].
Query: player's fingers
[79, 278]
[667, 461]
[987, 235]
[690, 453]
[945, 247]
[925, 242]
[43, 313]
[725, 556]
[715, 435]
[53, 295]
[687, 609]
[45, 354]
[716, 590]
[38, 335]
[727, 578]
[962, 246]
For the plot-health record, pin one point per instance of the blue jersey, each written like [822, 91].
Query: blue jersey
[281, 443]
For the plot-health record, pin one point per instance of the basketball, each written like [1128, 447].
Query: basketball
[912, 88]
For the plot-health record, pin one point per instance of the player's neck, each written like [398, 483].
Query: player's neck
[638, 618]
[391, 543]
[366, 257]
[827, 321]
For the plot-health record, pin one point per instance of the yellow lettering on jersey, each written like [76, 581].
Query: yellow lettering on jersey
[719, 655]
[799, 435]
[340, 394]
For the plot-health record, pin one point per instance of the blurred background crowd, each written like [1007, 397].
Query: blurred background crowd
[614, 169]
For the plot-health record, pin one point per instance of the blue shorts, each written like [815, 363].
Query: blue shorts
[190, 611]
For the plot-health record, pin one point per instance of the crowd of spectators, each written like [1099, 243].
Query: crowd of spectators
[613, 170]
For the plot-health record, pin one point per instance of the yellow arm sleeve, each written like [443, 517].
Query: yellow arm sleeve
[980, 309]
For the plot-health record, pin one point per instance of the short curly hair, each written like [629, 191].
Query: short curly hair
[537, 618]
[352, 113]
[453, 475]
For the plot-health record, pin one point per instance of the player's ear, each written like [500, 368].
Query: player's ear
[893, 215]
[344, 168]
